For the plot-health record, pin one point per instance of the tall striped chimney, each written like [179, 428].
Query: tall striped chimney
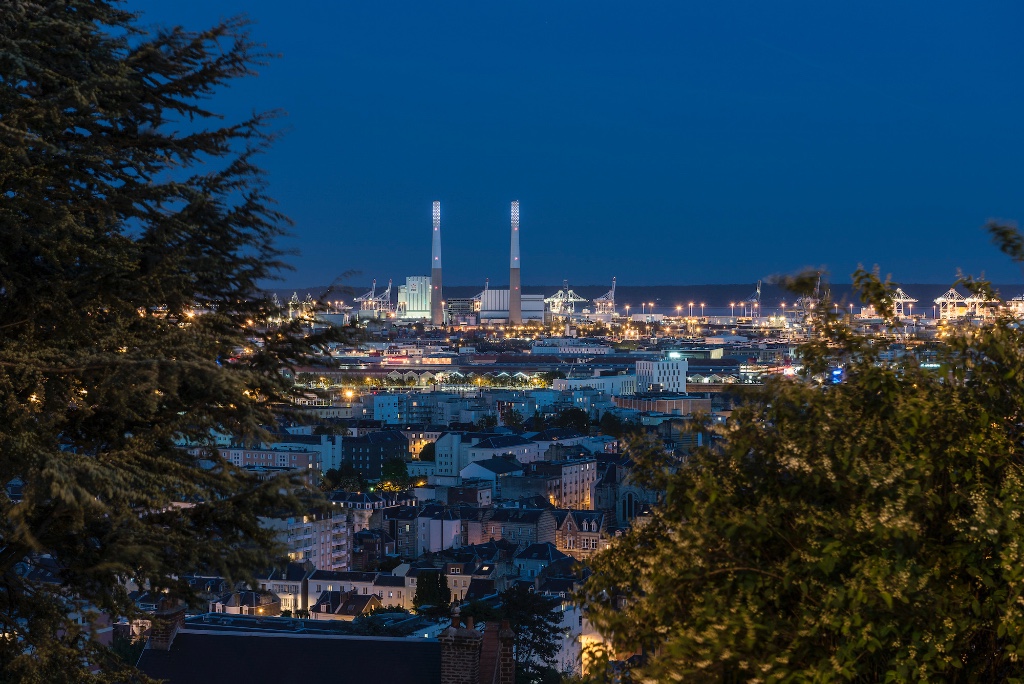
[515, 295]
[436, 307]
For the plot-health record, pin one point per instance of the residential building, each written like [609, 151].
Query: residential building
[473, 491]
[400, 522]
[532, 560]
[437, 529]
[663, 375]
[493, 470]
[612, 385]
[555, 437]
[455, 450]
[338, 605]
[370, 548]
[368, 453]
[420, 435]
[521, 526]
[289, 584]
[322, 539]
[283, 459]
[580, 534]
[577, 479]
[260, 603]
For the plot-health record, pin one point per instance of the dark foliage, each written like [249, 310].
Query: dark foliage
[136, 231]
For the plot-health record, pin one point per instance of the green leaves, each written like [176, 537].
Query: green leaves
[867, 531]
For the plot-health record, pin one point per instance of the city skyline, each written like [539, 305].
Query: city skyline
[668, 144]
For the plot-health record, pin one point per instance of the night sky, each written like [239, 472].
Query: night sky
[663, 142]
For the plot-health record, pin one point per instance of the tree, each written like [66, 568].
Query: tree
[346, 478]
[394, 474]
[480, 611]
[536, 620]
[511, 417]
[862, 531]
[487, 422]
[337, 426]
[611, 425]
[433, 596]
[550, 376]
[136, 232]
[427, 453]
[575, 419]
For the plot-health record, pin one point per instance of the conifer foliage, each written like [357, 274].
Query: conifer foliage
[135, 232]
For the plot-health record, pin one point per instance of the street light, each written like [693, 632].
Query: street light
[702, 309]
[732, 308]
[678, 311]
[691, 309]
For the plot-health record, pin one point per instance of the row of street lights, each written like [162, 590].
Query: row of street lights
[644, 305]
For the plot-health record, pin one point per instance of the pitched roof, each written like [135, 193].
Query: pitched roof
[379, 438]
[251, 599]
[541, 552]
[501, 442]
[327, 602]
[498, 465]
[561, 515]
[526, 516]
[555, 434]
[341, 576]
[389, 581]
[479, 588]
[401, 513]
[357, 604]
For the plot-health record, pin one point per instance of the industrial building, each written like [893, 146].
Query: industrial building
[414, 298]
[421, 297]
[496, 307]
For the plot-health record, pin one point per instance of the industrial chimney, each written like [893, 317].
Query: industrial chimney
[515, 295]
[436, 308]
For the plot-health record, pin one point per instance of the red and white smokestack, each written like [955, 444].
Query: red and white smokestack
[515, 295]
[436, 306]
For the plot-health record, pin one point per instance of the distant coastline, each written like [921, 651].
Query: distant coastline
[666, 298]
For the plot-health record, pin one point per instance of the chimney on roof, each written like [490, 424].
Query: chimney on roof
[169, 618]
[506, 660]
[460, 653]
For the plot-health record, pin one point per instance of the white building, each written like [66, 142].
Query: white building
[437, 529]
[414, 298]
[390, 408]
[321, 539]
[612, 385]
[668, 375]
[453, 451]
[494, 306]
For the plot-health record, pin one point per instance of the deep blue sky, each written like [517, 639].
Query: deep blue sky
[665, 142]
